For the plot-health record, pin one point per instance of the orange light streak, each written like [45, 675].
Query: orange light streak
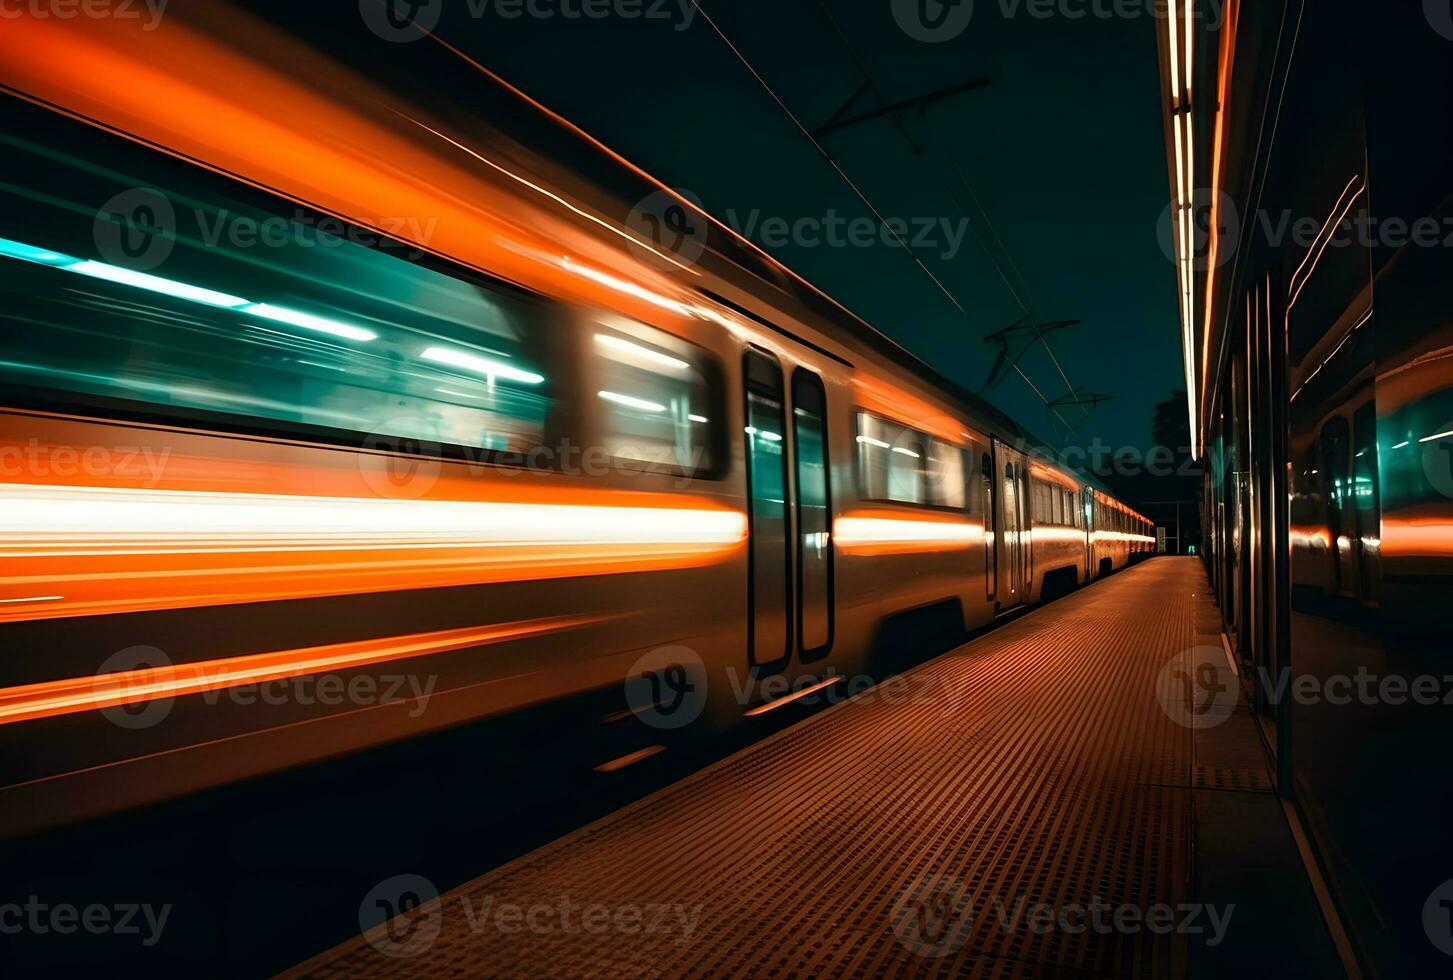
[893, 533]
[63, 697]
[795, 696]
[107, 550]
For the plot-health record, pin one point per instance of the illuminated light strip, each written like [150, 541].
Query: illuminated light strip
[906, 452]
[645, 353]
[630, 401]
[156, 284]
[886, 535]
[1190, 20]
[36, 598]
[1123, 536]
[1229, 22]
[1329, 223]
[1175, 58]
[121, 521]
[1332, 231]
[793, 697]
[110, 550]
[630, 759]
[308, 321]
[1403, 445]
[870, 441]
[182, 290]
[1335, 351]
[634, 240]
[49, 699]
[1441, 435]
[480, 365]
[622, 286]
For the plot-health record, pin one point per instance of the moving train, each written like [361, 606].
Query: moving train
[330, 419]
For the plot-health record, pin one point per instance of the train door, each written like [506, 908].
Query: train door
[1087, 521]
[1013, 541]
[813, 495]
[769, 563]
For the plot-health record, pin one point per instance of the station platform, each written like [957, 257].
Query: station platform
[1028, 805]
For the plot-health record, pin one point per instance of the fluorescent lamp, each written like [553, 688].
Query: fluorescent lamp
[480, 365]
[156, 284]
[309, 322]
[642, 353]
[630, 402]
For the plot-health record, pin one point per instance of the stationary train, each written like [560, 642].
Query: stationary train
[1324, 398]
[304, 380]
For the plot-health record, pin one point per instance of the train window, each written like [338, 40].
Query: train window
[652, 397]
[1039, 506]
[876, 438]
[901, 465]
[160, 285]
[891, 461]
[946, 475]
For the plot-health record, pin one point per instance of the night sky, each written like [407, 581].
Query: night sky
[1064, 151]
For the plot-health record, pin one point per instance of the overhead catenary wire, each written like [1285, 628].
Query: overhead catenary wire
[1033, 306]
[822, 151]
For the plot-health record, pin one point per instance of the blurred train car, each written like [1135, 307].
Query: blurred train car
[1326, 407]
[303, 379]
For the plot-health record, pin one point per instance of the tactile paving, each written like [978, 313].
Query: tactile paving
[908, 837]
